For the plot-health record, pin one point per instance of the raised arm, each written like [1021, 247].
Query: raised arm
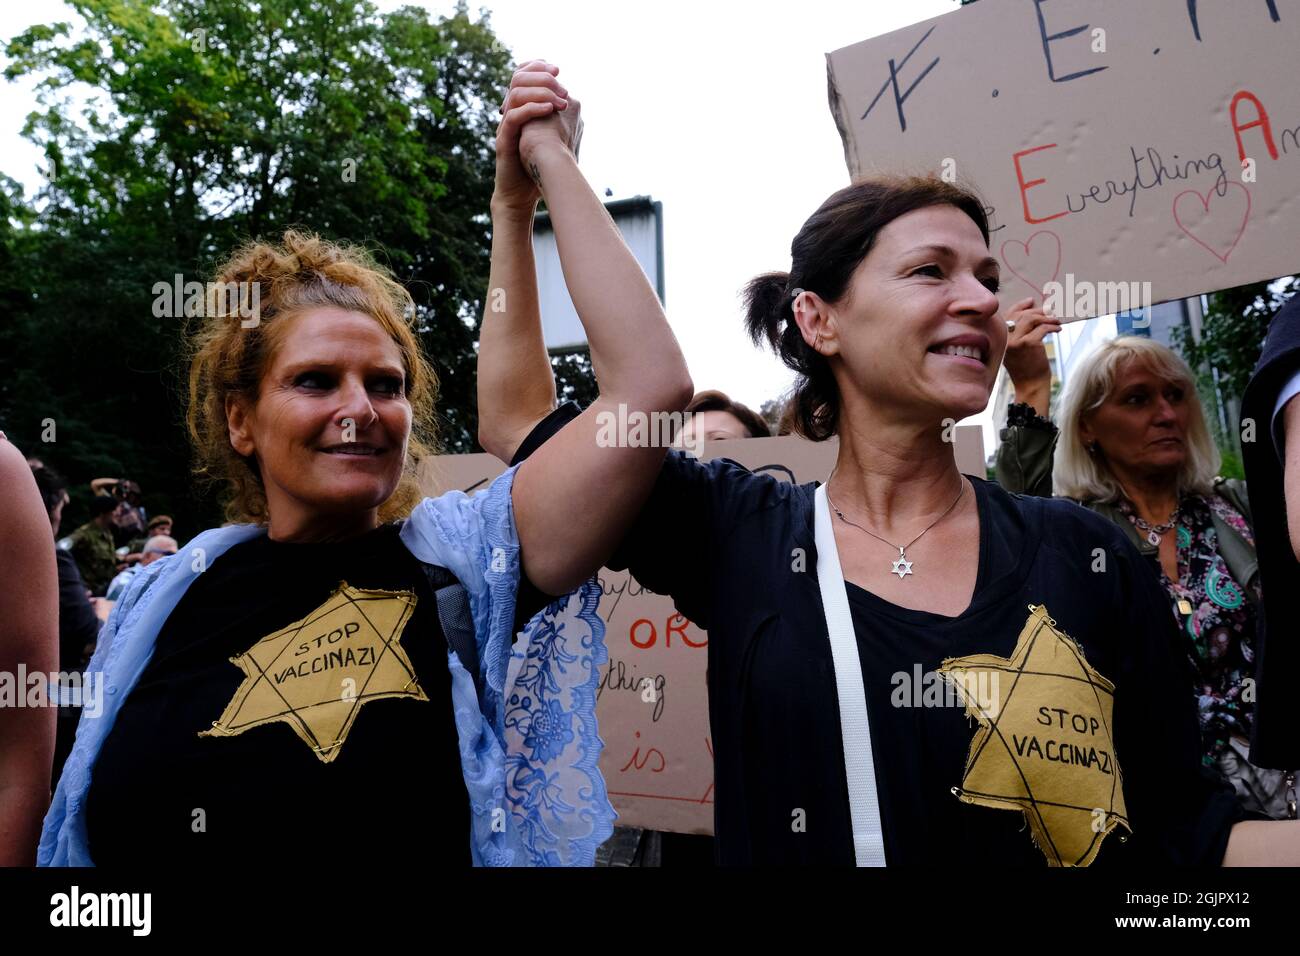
[1024, 457]
[1026, 358]
[516, 388]
[576, 495]
[29, 607]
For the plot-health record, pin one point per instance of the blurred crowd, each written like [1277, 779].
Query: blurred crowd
[95, 564]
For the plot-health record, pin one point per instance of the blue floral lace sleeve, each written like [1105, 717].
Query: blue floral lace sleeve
[529, 750]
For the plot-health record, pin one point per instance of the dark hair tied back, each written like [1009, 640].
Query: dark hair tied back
[824, 256]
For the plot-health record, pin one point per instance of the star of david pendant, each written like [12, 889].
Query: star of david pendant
[902, 567]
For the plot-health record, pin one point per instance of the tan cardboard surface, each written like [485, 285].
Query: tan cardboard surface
[1113, 156]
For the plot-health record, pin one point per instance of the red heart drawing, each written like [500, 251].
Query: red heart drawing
[1205, 210]
[1039, 265]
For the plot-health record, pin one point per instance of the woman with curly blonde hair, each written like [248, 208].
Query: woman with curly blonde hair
[335, 676]
[304, 273]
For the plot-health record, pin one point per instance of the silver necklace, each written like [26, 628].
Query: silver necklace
[902, 567]
[1156, 532]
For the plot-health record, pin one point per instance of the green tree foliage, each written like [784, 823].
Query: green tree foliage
[771, 411]
[574, 379]
[1233, 330]
[175, 130]
[1232, 337]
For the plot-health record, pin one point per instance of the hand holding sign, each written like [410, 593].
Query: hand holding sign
[1026, 358]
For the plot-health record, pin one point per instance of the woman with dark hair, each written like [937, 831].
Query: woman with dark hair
[902, 655]
[714, 415]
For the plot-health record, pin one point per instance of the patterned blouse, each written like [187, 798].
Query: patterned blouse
[1216, 617]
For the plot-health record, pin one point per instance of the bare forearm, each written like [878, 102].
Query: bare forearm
[1264, 843]
[515, 386]
[577, 494]
[29, 640]
[22, 808]
[1036, 394]
[26, 757]
[633, 350]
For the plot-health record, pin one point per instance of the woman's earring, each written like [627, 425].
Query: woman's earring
[1092, 448]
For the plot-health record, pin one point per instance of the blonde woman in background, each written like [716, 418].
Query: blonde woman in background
[1131, 443]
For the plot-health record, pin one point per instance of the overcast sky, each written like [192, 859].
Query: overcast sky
[716, 109]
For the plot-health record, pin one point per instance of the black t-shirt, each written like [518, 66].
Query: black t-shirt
[736, 551]
[78, 625]
[393, 791]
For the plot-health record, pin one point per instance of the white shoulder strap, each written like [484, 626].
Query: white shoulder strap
[868, 841]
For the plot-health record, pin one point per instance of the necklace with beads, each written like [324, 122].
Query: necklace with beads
[1156, 532]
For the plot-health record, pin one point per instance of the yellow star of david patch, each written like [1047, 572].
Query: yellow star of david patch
[1045, 742]
[316, 673]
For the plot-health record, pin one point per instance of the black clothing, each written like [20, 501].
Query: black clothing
[395, 790]
[737, 553]
[78, 623]
[1276, 739]
[748, 576]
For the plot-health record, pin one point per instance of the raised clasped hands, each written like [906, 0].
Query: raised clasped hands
[538, 114]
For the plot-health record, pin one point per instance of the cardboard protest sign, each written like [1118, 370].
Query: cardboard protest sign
[653, 700]
[1114, 143]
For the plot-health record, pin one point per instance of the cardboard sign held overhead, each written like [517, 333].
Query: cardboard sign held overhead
[1114, 143]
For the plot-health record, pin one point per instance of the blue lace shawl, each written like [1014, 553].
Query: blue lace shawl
[528, 753]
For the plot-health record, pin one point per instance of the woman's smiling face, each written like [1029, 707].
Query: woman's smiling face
[919, 327]
[330, 426]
